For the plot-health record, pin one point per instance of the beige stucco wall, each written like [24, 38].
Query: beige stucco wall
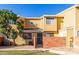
[77, 18]
[77, 27]
[69, 17]
[68, 22]
[70, 37]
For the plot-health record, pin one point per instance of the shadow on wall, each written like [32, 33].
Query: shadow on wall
[5, 41]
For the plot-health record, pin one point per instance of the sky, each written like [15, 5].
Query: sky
[35, 10]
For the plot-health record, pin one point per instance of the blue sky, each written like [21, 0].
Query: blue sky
[35, 10]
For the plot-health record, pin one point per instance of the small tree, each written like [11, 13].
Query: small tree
[6, 18]
[20, 27]
[13, 34]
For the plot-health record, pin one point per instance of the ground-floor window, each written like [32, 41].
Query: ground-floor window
[49, 34]
[78, 33]
[27, 36]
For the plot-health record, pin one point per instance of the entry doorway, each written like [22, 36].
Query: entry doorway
[70, 37]
[39, 39]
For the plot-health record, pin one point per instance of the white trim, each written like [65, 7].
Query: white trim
[32, 17]
[49, 15]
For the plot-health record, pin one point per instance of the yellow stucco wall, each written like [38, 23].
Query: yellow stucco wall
[41, 23]
[59, 26]
[55, 27]
[50, 27]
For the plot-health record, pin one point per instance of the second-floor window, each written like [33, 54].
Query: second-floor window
[50, 21]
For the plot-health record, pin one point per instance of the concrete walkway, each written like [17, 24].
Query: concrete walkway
[65, 51]
[58, 50]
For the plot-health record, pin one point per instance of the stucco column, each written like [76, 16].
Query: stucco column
[34, 37]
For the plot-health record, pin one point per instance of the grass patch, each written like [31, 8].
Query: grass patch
[26, 52]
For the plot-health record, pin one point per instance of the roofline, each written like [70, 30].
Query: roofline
[41, 16]
[49, 15]
[38, 17]
[67, 9]
[32, 17]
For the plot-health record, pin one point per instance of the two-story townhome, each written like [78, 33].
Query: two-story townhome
[47, 31]
[43, 31]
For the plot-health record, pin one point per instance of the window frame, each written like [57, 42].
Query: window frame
[50, 21]
[49, 34]
[78, 33]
